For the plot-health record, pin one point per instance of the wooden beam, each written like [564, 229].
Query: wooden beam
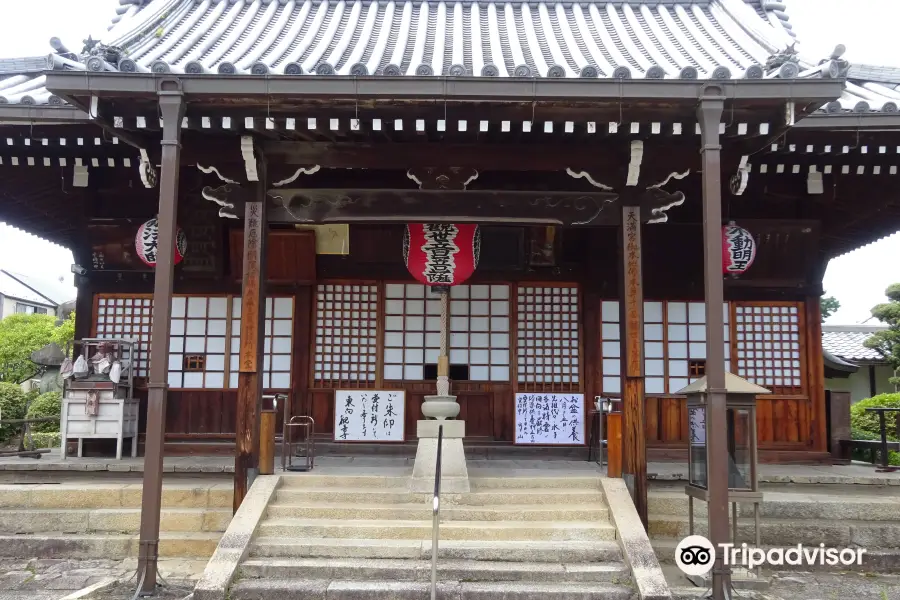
[308, 205]
[663, 155]
[634, 449]
[253, 312]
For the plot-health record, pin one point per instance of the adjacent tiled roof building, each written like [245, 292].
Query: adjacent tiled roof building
[656, 39]
[847, 342]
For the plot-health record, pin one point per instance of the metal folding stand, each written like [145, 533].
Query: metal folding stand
[305, 448]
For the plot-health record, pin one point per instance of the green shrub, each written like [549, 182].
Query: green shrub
[45, 405]
[12, 406]
[866, 426]
[44, 440]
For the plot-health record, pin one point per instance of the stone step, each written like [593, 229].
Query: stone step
[314, 480]
[110, 520]
[400, 495]
[454, 530]
[511, 551]
[95, 546]
[790, 532]
[420, 510]
[792, 506]
[563, 482]
[113, 495]
[420, 570]
[294, 589]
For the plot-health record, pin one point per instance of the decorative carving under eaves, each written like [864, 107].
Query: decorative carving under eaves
[442, 178]
[738, 182]
[228, 197]
[656, 204]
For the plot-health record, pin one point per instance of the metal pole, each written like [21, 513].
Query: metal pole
[709, 114]
[171, 104]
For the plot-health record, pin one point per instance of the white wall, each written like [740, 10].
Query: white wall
[9, 306]
[858, 383]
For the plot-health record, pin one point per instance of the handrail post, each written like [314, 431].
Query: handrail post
[436, 510]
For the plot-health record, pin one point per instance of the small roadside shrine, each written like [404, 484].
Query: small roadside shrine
[658, 187]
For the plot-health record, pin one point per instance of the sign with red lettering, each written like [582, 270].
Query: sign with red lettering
[441, 254]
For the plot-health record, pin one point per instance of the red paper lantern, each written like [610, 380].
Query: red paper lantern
[441, 253]
[738, 249]
[147, 239]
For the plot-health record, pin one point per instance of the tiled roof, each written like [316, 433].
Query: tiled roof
[846, 341]
[656, 39]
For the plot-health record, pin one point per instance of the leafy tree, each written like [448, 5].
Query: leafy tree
[45, 405]
[887, 342]
[12, 406]
[65, 333]
[866, 425]
[829, 305]
[20, 335]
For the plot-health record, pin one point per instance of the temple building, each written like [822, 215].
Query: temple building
[550, 126]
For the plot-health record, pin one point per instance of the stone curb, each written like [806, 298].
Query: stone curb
[235, 542]
[632, 538]
[89, 591]
[798, 479]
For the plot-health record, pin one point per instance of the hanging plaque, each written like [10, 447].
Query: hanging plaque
[369, 415]
[550, 419]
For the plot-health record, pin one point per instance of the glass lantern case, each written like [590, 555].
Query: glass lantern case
[740, 406]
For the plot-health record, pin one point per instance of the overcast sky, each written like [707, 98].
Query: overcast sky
[866, 27]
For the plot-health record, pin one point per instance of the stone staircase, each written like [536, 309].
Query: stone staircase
[354, 537]
[87, 520]
[837, 515]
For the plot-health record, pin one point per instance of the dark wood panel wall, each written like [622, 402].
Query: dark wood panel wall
[588, 257]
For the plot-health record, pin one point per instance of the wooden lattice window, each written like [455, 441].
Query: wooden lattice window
[194, 363]
[548, 343]
[346, 335]
[127, 317]
[279, 326]
[675, 344]
[767, 342]
[479, 342]
[611, 347]
[199, 328]
[696, 368]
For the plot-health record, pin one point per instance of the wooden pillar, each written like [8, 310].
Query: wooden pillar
[815, 374]
[709, 114]
[171, 104]
[253, 313]
[634, 443]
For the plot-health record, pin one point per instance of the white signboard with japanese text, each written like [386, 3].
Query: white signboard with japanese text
[550, 418]
[369, 415]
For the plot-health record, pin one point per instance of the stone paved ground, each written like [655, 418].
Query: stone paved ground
[52, 579]
[803, 586]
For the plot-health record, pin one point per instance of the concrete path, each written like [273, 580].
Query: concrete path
[860, 473]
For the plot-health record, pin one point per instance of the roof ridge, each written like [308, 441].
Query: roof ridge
[18, 277]
[853, 328]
